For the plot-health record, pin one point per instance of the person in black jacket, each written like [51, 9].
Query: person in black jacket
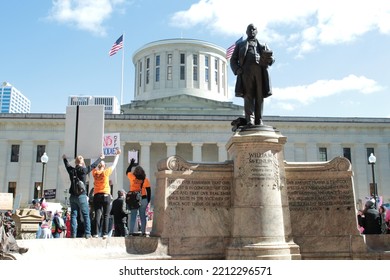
[249, 62]
[79, 203]
[370, 219]
[120, 213]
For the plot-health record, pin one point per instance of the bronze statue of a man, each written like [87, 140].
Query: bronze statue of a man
[249, 63]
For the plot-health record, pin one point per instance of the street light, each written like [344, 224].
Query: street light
[44, 160]
[372, 160]
[66, 197]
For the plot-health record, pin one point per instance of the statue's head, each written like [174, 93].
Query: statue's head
[251, 31]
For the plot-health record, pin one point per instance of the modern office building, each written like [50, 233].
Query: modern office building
[111, 103]
[181, 107]
[12, 100]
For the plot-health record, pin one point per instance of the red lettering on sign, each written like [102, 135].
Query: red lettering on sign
[107, 141]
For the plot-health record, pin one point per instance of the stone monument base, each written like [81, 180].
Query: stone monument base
[258, 206]
[284, 251]
[260, 225]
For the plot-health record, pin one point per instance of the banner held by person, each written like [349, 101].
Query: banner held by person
[111, 143]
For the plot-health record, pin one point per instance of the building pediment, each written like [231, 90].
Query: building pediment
[182, 104]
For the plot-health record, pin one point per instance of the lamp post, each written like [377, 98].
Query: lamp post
[372, 160]
[66, 197]
[44, 160]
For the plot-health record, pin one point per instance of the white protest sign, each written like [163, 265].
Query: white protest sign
[84, 131]
[132, 154]
[111, 143]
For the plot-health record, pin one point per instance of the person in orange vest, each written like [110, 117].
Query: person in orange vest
[102, 195]
[139, 182]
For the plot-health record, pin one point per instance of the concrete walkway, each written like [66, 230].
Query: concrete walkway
[112, 248]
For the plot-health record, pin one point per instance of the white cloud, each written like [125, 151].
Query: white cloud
[307, 23]
[288, 98]
[201, 12]
[86, 15]
[286, 106]
[323, 88]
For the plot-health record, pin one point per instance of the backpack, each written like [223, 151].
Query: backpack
[133, 199]
[58, 221]
[78, 185]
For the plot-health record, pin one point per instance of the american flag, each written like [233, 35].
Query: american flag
[230, 49]
[117, 46]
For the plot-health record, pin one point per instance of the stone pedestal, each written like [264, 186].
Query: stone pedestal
[192, 208]
[260, 220]
[27, 223]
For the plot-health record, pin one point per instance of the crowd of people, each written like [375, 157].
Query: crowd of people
[53, 224]
[8, 244]
[97, 214]
[373, 220]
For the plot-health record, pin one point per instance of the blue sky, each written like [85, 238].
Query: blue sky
[332, 57]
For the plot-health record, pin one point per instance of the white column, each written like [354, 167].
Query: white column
[145, 156]
[26, 160]
[120, 170]
[289, 152]
[222, 152]
[335, 150]
[197, 151]
[171, 148]
[361, 171]
[311, 152]
[382, 167]
[5, 154]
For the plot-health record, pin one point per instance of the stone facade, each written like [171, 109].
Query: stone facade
[194, 138]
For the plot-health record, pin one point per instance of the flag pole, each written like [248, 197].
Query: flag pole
[123, 60]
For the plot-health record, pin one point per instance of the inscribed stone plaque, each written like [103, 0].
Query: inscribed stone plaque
[199, 193]
[315, 195]
[261, 166]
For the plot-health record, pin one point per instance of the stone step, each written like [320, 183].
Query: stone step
[132, 247]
